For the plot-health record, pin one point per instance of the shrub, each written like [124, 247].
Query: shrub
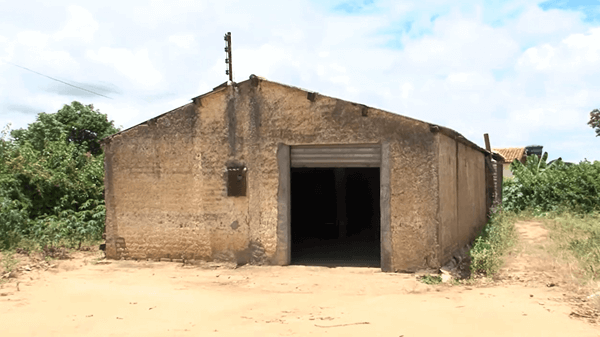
[552, 188]
[13, 219]
[490, 245]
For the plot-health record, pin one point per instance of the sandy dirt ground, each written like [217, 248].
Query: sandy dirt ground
[80, 297]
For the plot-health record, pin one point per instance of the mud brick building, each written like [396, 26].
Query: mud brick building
[264, 173]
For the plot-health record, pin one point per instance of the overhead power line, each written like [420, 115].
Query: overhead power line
[55, 79]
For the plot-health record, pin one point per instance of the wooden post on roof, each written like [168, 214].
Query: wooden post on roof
[487, 142]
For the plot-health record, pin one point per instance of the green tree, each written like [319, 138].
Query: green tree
[51, 177]
[595, 121]
[75, 123]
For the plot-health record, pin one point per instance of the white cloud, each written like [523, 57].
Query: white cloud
[320, 70]
[294, 35]
[6, 48]
[564, 68]
[59, 59]
[543, 24]
[547, 88]
[459, 77]
[337, 67]
[156, 13]
[121, 114]
[584, 48]
[182, 41]
[340, 80]
[459, 42]
[81, 25]
[204, 87]
[527, 77]
[33, 39]
[407, 89]
[34, 49]
[540, 58]
[262, 61]
[137, 66]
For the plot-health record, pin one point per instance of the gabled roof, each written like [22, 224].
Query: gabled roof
[511, 153]
[255, 79]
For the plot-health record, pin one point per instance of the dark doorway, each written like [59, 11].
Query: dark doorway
[335, 217]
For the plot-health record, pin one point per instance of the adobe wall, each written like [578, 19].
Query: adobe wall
[152, 190]
[166, 183]
[463, 208]
[471, 193]
[448, 197]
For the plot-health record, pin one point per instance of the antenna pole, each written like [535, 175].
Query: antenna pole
[228, 59]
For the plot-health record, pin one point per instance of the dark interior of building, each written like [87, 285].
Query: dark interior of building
[335, 217]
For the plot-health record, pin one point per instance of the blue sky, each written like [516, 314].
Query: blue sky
[526, 72]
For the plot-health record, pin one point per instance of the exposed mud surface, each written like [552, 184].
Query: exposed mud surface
[126, 298]
[531, 265]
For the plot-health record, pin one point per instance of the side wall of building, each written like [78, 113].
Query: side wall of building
[152, 190]
[462, 195]
[471, 193]
[448, 166]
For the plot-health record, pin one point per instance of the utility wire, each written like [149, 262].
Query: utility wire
[55, 79]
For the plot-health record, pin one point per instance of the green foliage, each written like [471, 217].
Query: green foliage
[13, 221]
[76, 123]
[550, 188]
[52, 178]
[495, 239]
[431, 279]
[595, 121]
[69, 227]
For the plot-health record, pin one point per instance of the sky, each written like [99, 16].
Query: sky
[525, 72]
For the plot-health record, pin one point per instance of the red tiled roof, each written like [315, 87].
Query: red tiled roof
[511, 153]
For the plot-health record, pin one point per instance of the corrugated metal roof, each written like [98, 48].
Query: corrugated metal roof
[511, 153]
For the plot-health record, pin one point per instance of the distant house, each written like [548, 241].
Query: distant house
[510, 154]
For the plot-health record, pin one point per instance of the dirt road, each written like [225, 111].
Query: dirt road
[127, 298]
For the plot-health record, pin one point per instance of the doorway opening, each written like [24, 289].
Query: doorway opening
[335, 217]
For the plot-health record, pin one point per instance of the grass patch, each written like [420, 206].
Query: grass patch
[578, 236]
[8, 262]
[497, 236]
[431, 279]
[33, 249]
